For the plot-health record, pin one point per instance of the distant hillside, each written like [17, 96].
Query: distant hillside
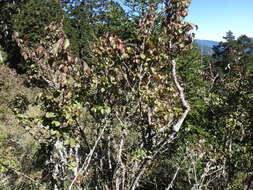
[208, 43]
[205, 46]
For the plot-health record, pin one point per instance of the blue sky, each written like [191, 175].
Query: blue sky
[215, 17]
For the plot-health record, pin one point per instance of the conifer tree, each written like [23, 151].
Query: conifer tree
[230, 110]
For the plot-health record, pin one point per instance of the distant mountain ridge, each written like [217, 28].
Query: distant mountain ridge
[205, 46]
[208, 43]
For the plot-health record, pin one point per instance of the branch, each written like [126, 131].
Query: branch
[88, 159]
[187, 108]
[139, 174]
[119, 159]
[173, 179]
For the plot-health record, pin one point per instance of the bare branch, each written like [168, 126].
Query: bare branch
[139, 174]
[88, 158]
[187, 108]
[173, 179]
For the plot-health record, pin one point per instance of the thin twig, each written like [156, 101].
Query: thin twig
[88, 158]
[139, 174]
[173, 179]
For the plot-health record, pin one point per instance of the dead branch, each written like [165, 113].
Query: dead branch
[186, 105]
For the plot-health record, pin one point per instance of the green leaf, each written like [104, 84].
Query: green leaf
[142, 56]
[56, 123]
[66, 44]
[53, 132]
[107, 109]
[178, 109]
[56, 47]
[50, 115]
[71, 142]
[250, 95]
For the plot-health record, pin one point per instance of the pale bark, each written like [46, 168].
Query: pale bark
[186, 105]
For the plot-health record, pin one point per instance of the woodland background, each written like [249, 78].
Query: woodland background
[94, 95]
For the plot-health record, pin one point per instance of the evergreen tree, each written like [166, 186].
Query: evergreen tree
[34, 16]
[91, 19]
[230, 110]
[9, 8]
[233, 59]
[28, 17]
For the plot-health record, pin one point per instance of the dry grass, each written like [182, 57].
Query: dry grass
[17, 147]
